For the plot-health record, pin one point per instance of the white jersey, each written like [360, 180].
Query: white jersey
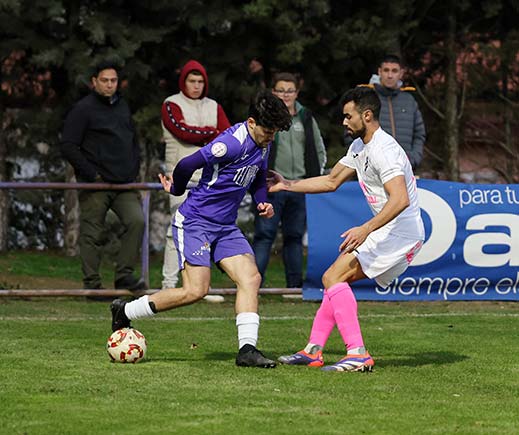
[377, 162]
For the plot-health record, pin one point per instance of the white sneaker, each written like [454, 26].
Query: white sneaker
[214, 299]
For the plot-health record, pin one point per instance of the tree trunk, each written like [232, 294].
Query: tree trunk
[71, 218]
[451, 101]
[512, 164]
[4, 195]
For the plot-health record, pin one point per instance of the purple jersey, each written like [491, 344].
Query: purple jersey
[232, 161]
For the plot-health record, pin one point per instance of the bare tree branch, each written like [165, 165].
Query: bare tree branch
[508, 178]
[462, 99]
[433, 154]
[426, 100]
[507, 100]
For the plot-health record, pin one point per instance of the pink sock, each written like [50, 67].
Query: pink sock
[344, 307]
[324, 321]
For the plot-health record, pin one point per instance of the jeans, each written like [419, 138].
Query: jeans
[290, 210]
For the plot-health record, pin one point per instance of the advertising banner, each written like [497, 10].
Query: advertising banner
[471, 249]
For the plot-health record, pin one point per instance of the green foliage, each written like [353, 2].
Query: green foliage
[10, 6]
[47, 49]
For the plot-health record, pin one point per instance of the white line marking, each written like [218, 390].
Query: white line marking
[264, 318]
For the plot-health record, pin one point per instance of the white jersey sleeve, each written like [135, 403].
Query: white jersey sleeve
[350, 159]
[388, 161]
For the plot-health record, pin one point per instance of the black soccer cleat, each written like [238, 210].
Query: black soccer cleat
[249, 356]
[119, 319]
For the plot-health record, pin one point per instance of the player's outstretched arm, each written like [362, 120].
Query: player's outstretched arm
[324, 183]
[276, 182]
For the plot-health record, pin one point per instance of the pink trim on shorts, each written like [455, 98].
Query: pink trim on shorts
[410, 255]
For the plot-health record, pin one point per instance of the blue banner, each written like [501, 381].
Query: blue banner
[471, 250]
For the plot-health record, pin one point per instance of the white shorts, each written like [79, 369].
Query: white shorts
[383, 257]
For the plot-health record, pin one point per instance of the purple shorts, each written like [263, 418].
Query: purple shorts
[199, 242]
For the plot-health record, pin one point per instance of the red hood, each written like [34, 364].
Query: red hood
[186, 69]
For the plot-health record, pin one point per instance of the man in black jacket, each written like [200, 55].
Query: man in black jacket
[100, 143]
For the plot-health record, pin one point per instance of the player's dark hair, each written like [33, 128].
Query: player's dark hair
[365, 98]
[106, 64]
[391, 58]
[269, 111]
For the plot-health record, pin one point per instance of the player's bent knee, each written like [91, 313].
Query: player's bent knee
[255, 280]
[330, 278]
[252, 281]
[196, 293]
[327, 281]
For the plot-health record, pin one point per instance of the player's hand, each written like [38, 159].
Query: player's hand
[166, 181]
[265, 210]
[353, 238]
[276, 182]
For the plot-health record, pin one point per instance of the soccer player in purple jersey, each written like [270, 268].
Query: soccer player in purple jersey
[204, 227]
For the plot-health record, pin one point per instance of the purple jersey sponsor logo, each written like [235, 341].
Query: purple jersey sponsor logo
[245, 176]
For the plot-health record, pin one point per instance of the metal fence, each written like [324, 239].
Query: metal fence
[145, 189]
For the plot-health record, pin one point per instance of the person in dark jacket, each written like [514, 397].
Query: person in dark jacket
[399, 114]
[100, 143]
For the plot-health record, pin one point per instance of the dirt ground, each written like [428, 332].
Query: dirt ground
[25, 282]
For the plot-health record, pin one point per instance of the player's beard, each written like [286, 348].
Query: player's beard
[358, 133]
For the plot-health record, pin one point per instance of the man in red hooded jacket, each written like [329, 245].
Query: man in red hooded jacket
[189, 121]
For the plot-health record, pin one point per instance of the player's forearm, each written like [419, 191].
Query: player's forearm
[258, 188]
[184, 171]
[394, 206]
[311, 185]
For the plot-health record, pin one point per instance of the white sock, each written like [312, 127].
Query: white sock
[138, 309]
[356, 351]
[312, 348]
[248, 325]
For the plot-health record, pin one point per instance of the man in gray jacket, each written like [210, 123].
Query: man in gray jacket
[399, 114]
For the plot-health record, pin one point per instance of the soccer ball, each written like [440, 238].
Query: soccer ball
[126, 345]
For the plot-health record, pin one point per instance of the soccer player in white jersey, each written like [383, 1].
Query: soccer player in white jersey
[381, 248]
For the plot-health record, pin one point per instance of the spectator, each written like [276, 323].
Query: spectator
[399, 115]
[190, 120]
[256, 74]
[296, 154]
[100, 142]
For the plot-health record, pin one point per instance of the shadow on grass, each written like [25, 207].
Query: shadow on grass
[198, 356]
[421, 359]
[220, 356]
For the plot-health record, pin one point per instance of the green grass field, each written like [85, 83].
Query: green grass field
[52, 270]
[441, 368]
